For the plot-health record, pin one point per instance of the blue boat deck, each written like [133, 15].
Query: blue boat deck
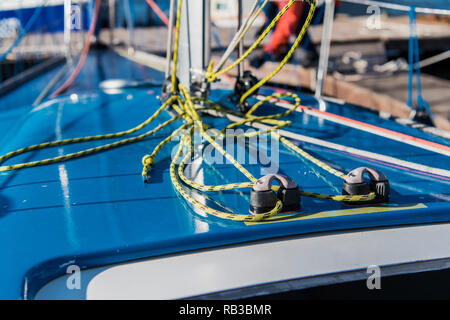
[96, 210]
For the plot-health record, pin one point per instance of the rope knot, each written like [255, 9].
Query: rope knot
[148, 160]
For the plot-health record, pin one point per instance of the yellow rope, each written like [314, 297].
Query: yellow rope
[149, 160]
[288, 55]
[239, 39]
[211, 211]
[240, 185]
[203, 187]
[213, 76]
[290, 145]
[306, 155]
[86, 139]
[185, 107]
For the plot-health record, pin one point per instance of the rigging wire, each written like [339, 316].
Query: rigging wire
[157, 10]
[254, 13]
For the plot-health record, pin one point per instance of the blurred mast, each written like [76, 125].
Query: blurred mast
[170, 38]
[194, 45]
[240, 48]
[325, 46]
[67, 28]
[112, 20]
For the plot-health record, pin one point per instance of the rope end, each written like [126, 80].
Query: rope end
[145, 178]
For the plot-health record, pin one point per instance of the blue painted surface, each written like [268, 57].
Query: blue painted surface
[96, 210]
[99, 66]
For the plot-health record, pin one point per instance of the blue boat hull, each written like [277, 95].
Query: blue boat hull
[95, 210]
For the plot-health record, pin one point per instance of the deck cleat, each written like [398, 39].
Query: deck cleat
[422, 117]
[354, 184]
[243, 84]
[263, 198]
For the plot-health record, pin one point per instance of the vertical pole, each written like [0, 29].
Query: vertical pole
[240, 48]
[170, 38]
[411, 47]
[112, 20]
[325, 46]
[67, 27]
[130, 25]
[207, 33]
[82, 31]
[194, 45]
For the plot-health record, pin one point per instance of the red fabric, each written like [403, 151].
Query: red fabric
[285, 27]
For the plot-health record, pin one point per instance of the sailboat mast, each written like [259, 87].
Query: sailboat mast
[194, 45]
[67, 28]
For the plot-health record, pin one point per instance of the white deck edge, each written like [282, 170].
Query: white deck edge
[266, 266]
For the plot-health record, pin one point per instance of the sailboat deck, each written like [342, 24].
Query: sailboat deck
[96, 210]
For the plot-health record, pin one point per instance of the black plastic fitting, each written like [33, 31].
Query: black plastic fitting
[354, 184]
[243, 84]
[290, 199]
[262, 201]
[263, 198]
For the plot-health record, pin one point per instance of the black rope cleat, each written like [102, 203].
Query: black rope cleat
[354, 185]
[263, 198]
[422, 117]
[243, 84]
